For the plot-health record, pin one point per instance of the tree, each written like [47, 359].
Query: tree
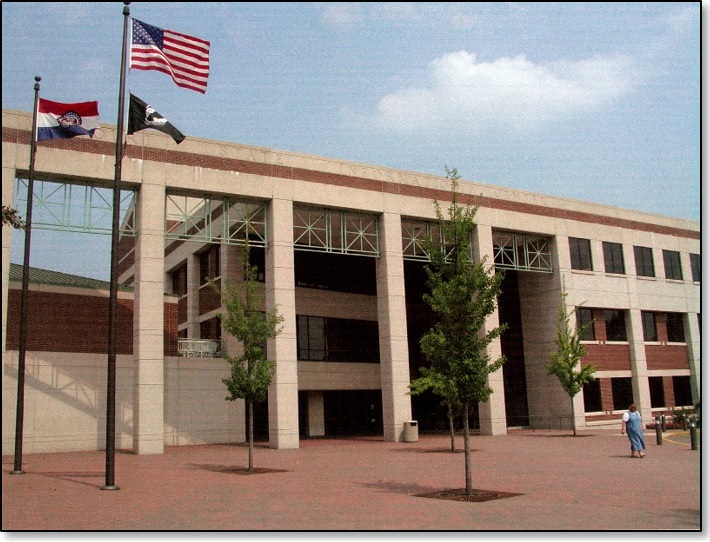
[251, 372]
[11, 217]
[431, 380]
[463, 293]
[570, 350]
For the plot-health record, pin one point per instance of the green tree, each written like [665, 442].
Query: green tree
[245, 319]
[12, 218]
[463, 294]
[566, 359]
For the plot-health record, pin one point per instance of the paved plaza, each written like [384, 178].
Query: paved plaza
[563, 483]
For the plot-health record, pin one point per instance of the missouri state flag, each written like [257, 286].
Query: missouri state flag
[142, 116]
[61, 121]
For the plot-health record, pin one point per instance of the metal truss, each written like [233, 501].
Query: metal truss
[522, 251]
[343, 232]
[215, 220]
[83, 208]
[414, 234]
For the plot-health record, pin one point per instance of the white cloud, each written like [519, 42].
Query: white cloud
[510, 92]
[340, 14]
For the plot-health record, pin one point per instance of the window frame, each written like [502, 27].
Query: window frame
[671, 265]
[613, 258]
[645, 266]
[578, 255]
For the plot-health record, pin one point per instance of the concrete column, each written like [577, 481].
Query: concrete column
[392, 319]
[639, 369]
[193, 296]
[491, 413]
[692, 337]
[281, 293]
[8, 195]
[316, 414]
[148, 325]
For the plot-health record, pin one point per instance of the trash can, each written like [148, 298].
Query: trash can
[411, 431]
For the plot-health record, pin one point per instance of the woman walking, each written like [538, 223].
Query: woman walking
[633, 426]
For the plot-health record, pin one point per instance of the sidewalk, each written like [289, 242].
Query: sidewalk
[565, 483]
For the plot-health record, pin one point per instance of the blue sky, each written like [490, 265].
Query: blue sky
[591, 101]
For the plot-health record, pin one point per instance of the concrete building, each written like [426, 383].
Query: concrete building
[338, 245]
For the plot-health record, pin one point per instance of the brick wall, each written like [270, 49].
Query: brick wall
[61, 322]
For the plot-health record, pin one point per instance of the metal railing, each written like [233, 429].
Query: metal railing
[199, 348]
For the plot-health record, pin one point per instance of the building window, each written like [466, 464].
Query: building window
[209, 264]
[179, 280]
[613, 258]
[671, 262]
[695, 267]
[649, 327]
[615, 325]
[681, 391]
[592, 396]
[337, 339]
[211, 329]
[622, 393]
[655, 386]
[580, 254]
[674, 327]
[644, 262]
[584, 317]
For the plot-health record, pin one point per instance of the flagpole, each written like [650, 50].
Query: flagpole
[20, 412]
[113, 289]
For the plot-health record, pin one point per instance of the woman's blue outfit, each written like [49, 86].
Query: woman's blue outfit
[634, 429]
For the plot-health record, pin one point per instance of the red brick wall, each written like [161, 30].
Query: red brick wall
[668, 393]
[607, 396]
[608, 357]
[209, 299]
[78, 323]
[666, 356]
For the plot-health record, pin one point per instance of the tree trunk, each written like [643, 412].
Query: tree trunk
[574, 424]
[467, 451]
[250, 416]
[452, 433]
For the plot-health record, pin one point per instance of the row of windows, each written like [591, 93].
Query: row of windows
[581, 259]
[623, 395]
[337, 339]
[615, 325]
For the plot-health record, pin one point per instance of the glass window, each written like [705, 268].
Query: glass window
[592, 396]
[209, 264]
[644, 262]
[179, 280]
[695, 267]
[584, 317]
[622, 393]
[613, 258]
[580, 253]
[674, 327]
[681, 391]
[337, 339]
[671, 262]
[615, 325]
[649, 327]
[655, 386]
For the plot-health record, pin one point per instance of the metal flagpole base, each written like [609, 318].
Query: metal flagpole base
[17, 472]
[110, 488]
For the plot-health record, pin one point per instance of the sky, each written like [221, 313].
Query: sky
[591, 101]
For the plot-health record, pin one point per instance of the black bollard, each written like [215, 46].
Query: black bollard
[659, 433]
[693, 436]
[663, 423]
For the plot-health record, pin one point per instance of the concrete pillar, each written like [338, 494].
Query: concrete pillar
[392, 319]
[491, 414]
[148, 324]
[691, 323]
[316, 414]
[193, 296]
[281, 293]
[639, 370]
[8, 195]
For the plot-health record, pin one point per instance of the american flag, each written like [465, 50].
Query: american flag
[184, 58]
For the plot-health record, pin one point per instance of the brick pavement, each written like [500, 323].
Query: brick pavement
[588, 483]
